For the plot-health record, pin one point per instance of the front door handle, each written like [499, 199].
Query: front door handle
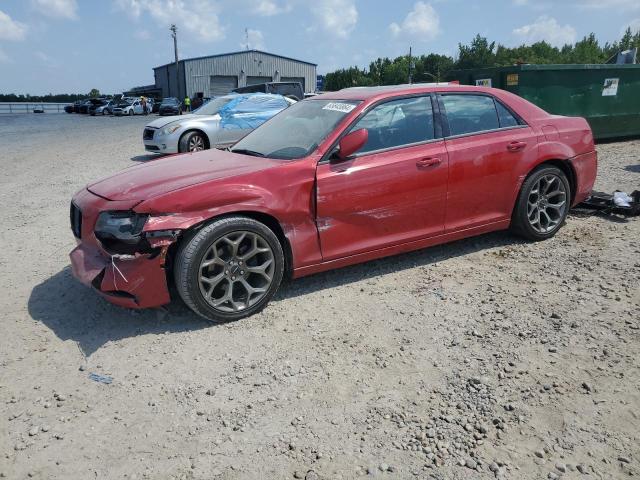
[428, 162]
[516, 146]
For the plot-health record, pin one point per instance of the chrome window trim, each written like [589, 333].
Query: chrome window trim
[397, 147]
[482, 132]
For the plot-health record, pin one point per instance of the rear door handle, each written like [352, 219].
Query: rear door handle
[516, 146]
[428, 162]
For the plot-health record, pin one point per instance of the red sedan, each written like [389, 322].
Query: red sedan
[338, 179]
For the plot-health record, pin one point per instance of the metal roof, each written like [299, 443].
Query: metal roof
[237, 53]
[366, 93]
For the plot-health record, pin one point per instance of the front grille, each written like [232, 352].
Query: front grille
[76, 220]
[148, 134]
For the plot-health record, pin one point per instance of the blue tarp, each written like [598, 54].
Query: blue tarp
[250, 111]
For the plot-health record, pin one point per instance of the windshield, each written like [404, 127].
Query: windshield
[213, 106]
[169, 101]
[296, 131]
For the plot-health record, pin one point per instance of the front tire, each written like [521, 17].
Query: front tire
[131, 113]
[229, 269]
[192, 142]
[543, 204]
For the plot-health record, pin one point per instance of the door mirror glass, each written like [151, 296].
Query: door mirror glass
[352, 142]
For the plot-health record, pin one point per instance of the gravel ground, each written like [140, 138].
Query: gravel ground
[517, 360]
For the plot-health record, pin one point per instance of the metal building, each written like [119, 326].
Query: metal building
[219, 74]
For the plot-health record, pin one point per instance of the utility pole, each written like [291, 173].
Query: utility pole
[410, 67]
[174, 34]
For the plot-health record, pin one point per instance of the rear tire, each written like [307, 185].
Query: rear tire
[229, 269]
[543, 204]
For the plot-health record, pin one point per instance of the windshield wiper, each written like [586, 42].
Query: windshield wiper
[244, 151]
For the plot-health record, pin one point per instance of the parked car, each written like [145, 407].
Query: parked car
[68, 108]
[337, 179]
[77, 104]
[84, 106]
[219, 123]
[128, 106]
[292, 90]
[170, 106]
[101, 106]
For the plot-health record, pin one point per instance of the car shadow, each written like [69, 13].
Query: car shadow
[75, 312]
[404, 261]
[145, 158]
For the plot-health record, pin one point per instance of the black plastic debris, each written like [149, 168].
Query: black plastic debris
[618, 203]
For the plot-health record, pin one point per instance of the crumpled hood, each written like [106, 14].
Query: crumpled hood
[164, 121]
[164, 175]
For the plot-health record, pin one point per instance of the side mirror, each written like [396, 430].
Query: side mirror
[352, 142]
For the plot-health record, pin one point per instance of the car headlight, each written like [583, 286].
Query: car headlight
[123, 226]
[169, 130]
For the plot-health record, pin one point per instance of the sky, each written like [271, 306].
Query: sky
[69, 46]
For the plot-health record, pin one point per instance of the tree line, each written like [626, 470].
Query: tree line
[480, 53]
[50, 97]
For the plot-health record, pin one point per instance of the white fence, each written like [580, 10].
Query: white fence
[29, 107]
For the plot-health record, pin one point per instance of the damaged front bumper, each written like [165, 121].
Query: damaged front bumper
[136, 279]
[133, 281]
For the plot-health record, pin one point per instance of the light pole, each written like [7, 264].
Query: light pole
[174, 34]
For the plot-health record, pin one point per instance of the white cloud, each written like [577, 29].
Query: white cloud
[57, 8]
[611, 4]
[269, 8]
[4, 58]
[422, 23]
[45, 59]
[253, 40]
[548, 29]
[336, 17]
[142, 34]
[11, 29]
[634, 25]
[198, 18]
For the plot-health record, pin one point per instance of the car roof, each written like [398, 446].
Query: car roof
[374, 93]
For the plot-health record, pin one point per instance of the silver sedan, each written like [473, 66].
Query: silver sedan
[219, 123]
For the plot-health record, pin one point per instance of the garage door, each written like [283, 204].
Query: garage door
[257, 80]
[294, 79]
[222, 84]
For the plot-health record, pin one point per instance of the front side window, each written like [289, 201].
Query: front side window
[470, 113]
[396, 123]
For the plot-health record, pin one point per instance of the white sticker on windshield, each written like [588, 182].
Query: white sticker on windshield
[339, 107]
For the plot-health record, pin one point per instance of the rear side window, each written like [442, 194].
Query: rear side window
[506, 117]
[396, 123]
[470, 113]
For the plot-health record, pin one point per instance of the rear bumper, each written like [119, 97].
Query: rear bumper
[586, 168]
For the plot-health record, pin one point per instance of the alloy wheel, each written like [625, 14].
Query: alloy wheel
[196, 143]
[236, 271]
[547, 203]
